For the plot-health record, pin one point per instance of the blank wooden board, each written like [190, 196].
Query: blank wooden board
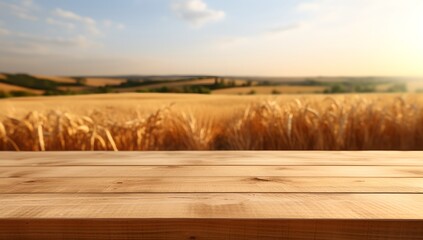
[211, 195]
[216, 158]
[212, 185]
[213, 205]
[212, 171]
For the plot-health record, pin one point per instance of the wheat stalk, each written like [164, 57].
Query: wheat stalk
[301, 124]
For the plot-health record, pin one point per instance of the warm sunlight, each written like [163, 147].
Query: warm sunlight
[211, 119]
[281, 38]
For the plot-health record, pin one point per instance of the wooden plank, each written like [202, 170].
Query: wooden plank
[211, 171]
[212, 206]
[211, 158]
[211, 195]
[211, 185]
[124, 229]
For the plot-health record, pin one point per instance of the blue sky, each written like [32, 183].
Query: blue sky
[226, 37]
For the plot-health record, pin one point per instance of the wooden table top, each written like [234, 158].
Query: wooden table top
[225, 186]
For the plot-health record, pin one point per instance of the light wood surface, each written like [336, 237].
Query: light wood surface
[211, 195]
[212, 185]
[211, 171]
[216, 158]
[213, 205]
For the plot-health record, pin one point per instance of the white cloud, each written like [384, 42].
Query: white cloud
[111, 24]
[196, 12]
[73, 34]
[89, 23]
[73, 16]
[23, 43]
[67, 25]
[23, 10]
[68, 35]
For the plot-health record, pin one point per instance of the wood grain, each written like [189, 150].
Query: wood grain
[224, 158]
[213, 206]
[211, 185]
[211, 195]
[211, 171]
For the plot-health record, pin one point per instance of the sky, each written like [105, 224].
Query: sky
[212, 37]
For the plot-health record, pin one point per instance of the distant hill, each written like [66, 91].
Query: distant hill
[18, 85]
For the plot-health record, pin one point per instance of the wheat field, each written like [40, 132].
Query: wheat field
[127, 122]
